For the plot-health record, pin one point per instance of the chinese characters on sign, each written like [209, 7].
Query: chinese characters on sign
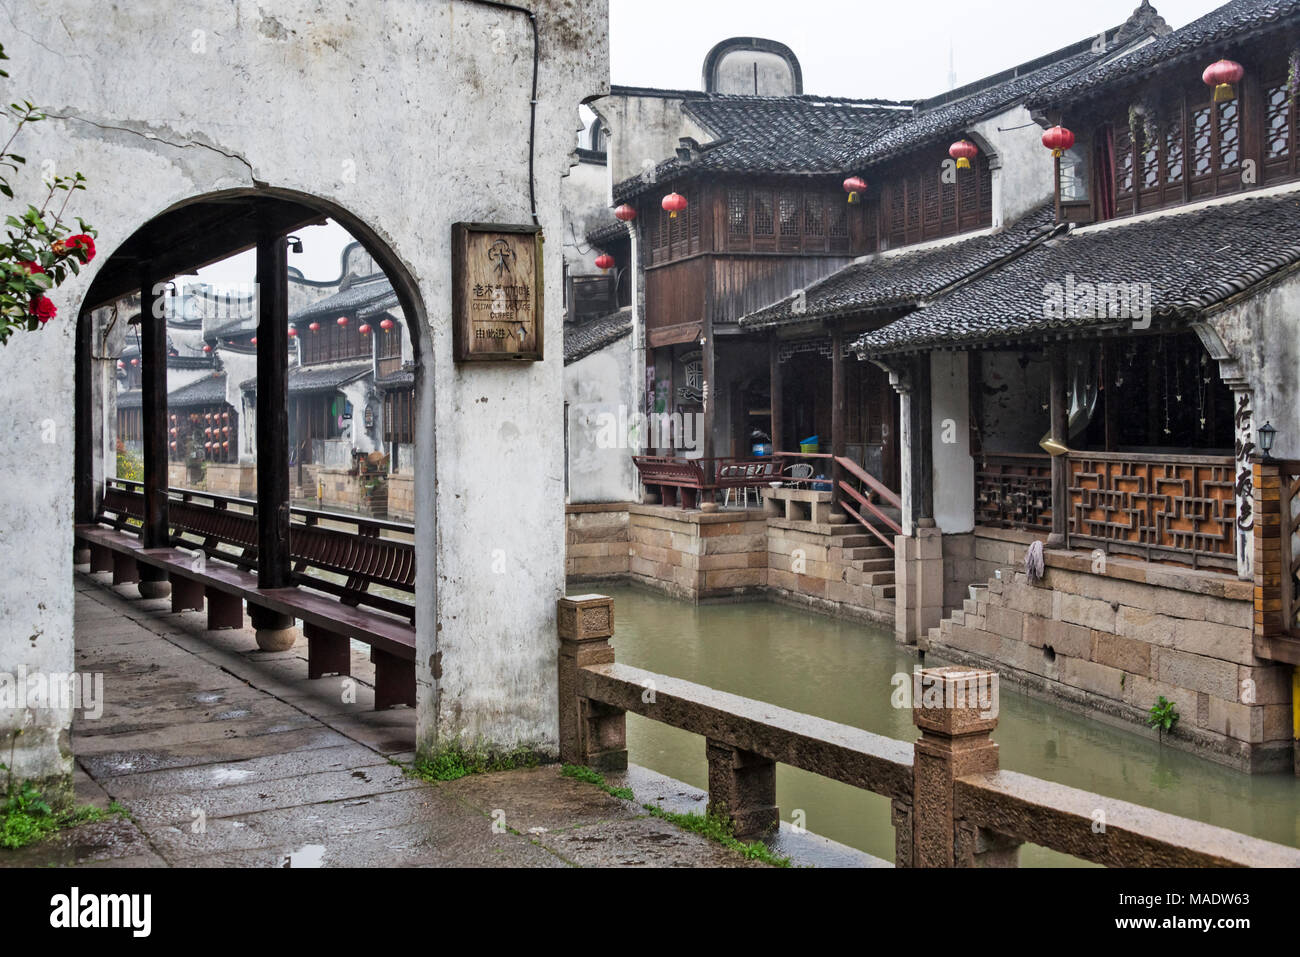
[497, 293]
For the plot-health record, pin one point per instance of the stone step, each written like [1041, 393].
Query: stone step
[875, 565]
[889, 591]
[878, 578]
[861, 552]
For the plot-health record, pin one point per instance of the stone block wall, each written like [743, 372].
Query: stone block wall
[1110, 643]
[401, 497]
[596, 542]
[696, 555]
[818, 566]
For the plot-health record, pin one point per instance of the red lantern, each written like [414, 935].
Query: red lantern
[135, 362]
[208, 446]
[855, 186]
[293, 333]
[225, 445]
[314, 327]
[121, 364]
[365, 329]
[1221, 75]
[1058, 139]
[674, 203]
[226, 416]
[173, 446]
[963, 151]
[343, 320]
[387, 325]
[254, 340]
[207, 349]
[605, 262]
[625, 213]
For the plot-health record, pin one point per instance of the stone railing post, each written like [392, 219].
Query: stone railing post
[591, 733]
[956, 710]
[742, 789]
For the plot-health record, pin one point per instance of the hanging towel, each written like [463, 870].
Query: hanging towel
[1034, 567]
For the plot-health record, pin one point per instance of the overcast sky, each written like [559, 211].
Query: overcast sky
[863, 49]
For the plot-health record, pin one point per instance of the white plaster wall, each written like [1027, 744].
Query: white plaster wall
[600, 385]
[157, 106]
[1022, 176]
[644, 131]
[954, 469]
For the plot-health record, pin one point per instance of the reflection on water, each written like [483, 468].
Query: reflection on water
[842, 671]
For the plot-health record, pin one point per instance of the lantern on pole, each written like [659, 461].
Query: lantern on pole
[1221, 75]
[674, 203]
[625, 213]
[855, 186]
[1058, 139]
[963, 151]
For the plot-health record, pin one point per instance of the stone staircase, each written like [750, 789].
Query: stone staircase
[870, 563]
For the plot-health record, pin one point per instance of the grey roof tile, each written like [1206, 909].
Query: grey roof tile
[582, 339]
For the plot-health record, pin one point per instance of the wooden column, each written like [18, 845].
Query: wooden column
[922, 448]
[272, 412]
[710, 388]
[778, 399]
[153, 363]
[839, 412]
[83, 488]
[1060, 412]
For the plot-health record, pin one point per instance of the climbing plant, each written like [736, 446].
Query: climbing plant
[39, 251]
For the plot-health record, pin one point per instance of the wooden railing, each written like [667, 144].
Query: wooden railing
[951, 804]
[860, 494]
[1161, 507]
[1014, 491]
[342, 555]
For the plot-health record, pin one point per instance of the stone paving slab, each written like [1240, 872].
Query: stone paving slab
[290, 773]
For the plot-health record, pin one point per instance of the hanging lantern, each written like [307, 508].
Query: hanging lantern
[225, 416]
[674, 203]
[254, 340]
[625, 213]
[365, 329]
[207, 349]
[963, 151]
[387, 325]
[121, 364]
[1058, 139]
[225, 445]
[208, 446]
[1221, 75]
[135, 362]
[343, 321]
[293, 332]
[173, 446]
[855, 186]
[314, 327]
[604, 262]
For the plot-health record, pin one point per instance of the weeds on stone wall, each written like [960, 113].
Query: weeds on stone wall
[1163, 715]
[455, 762]
[26, 816]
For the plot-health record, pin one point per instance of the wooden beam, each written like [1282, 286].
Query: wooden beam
[839, 412]
[153, 375]
[83, 489]
[1060, 412]
[273, 410]
[778, 398]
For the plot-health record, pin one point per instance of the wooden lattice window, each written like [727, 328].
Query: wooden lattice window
[814, 218]
[764, 216]
[1174, 154]
[1229, 135]
[1277, 122]
[738, 212]
[1202, 142]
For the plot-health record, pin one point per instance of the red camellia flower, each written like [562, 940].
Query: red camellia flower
[31, 267]
[82, 245]
[43, 309]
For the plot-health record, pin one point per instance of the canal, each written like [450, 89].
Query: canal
[843, 671]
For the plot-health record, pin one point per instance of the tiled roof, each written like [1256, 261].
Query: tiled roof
[942, 122]
[771, 134]
[210, 390]
[902, 279]
[605, 236]
[1191, 260]
[350, 300]
[1207, 37]
[133, 399]
[321, 378]
[581, 340]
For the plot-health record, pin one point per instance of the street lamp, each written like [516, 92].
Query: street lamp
[1267, 436]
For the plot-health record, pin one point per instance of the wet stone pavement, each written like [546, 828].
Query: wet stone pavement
[225, 756]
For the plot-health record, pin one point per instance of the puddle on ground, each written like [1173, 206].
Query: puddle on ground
[309, 855]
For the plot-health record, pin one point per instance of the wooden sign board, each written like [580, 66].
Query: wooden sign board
[497, 293]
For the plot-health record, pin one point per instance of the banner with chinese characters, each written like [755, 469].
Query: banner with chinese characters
[497, 293]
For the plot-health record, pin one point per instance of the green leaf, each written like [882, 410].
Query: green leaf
[41, 279]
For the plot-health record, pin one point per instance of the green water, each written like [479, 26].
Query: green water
[842, 671]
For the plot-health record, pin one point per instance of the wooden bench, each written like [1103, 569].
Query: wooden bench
[328, 624]
[678, 481]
